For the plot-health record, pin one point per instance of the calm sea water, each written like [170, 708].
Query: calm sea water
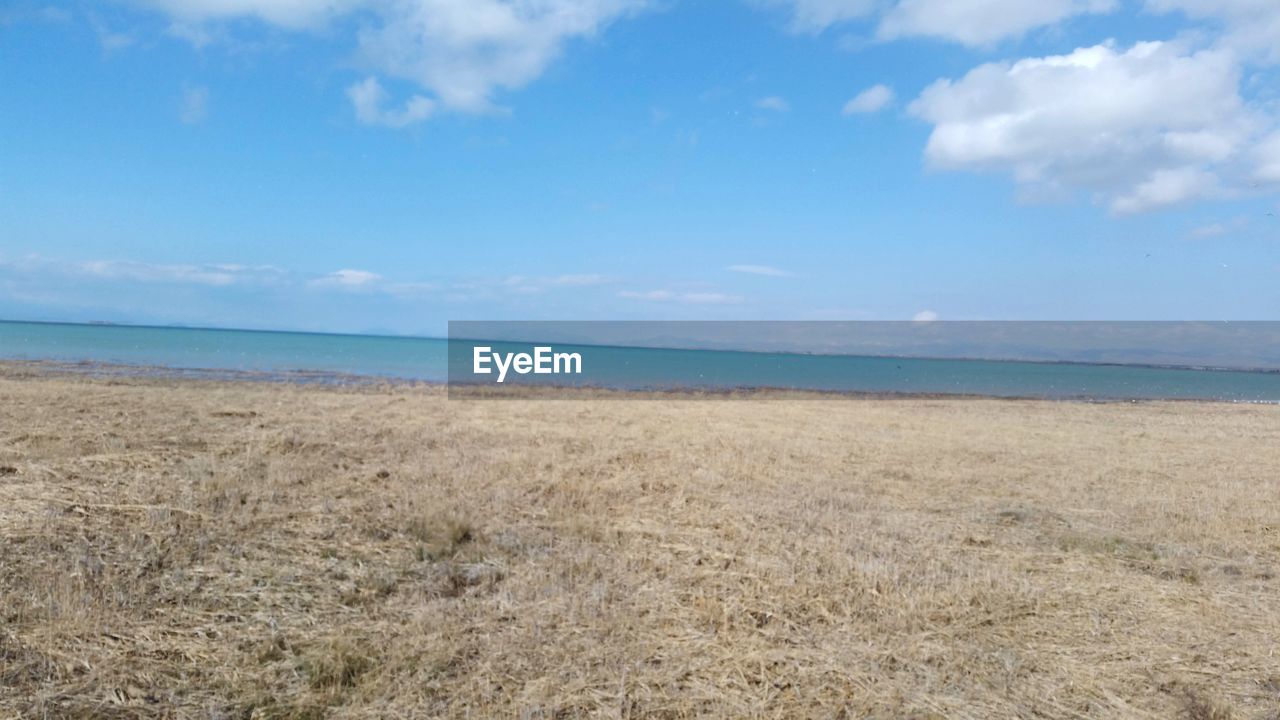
[234, 350]
[627, 368]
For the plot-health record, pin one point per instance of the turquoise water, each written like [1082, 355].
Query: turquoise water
[620, 367]
[234, 350]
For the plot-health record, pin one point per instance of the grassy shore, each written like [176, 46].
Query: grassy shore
[259, 550]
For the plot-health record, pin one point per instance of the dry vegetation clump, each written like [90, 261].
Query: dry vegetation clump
[195, 549]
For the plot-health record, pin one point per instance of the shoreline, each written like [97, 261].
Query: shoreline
[1195, 367]
[107, 370]
[92, 369]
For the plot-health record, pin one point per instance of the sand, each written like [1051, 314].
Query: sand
[190, 548]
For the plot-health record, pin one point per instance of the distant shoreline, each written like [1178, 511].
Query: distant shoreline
[104, 371]
[865, 356]
[108, 370]
[1253, 369]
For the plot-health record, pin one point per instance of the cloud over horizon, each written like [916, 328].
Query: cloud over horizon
[766, 270]
[686, 298]
[347, 278]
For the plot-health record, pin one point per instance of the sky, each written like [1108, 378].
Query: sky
[385, 166]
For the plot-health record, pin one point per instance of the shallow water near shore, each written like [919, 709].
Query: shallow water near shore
[328, 358]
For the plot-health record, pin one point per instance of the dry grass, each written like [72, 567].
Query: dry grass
[205, 550]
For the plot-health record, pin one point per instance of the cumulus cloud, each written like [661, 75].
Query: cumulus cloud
[368, 98]
[759, 270]
[688, 298]
[873, 99]
[925, 316]
[981, 22]
[1150, 126]
[1167, 187]
[1252, 27]
[464, 50]
[1267, 159]
[773, 103]
[195, 105]
[461, 51]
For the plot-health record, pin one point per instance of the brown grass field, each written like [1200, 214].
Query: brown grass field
[203, 549]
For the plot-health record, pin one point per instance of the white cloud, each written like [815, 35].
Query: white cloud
[518, 285]
[1252, 27]
[1208, 231]
[411, 290]
[292, 14]
[688, 298]
[814, 16]
[650, 295]
[972, 22]
[981, 22]
[1167, 187]
[1267, 159]
[1218, 229]
[368, 98]
[462, 51]
[709, 298]
[773, 103]
[925, 316]
[873, 99]
[350, 279]
[465, 50]
[124, 270]
[218, 275]
[583, 280]
[1141, 128]
[759, 270]
[110, 40]
[33, 270]
[195, 105]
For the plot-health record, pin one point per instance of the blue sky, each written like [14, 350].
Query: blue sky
[387, 165]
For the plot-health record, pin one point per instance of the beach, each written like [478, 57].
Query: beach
[211, 549]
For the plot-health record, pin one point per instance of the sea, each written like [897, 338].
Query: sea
[335, 358]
